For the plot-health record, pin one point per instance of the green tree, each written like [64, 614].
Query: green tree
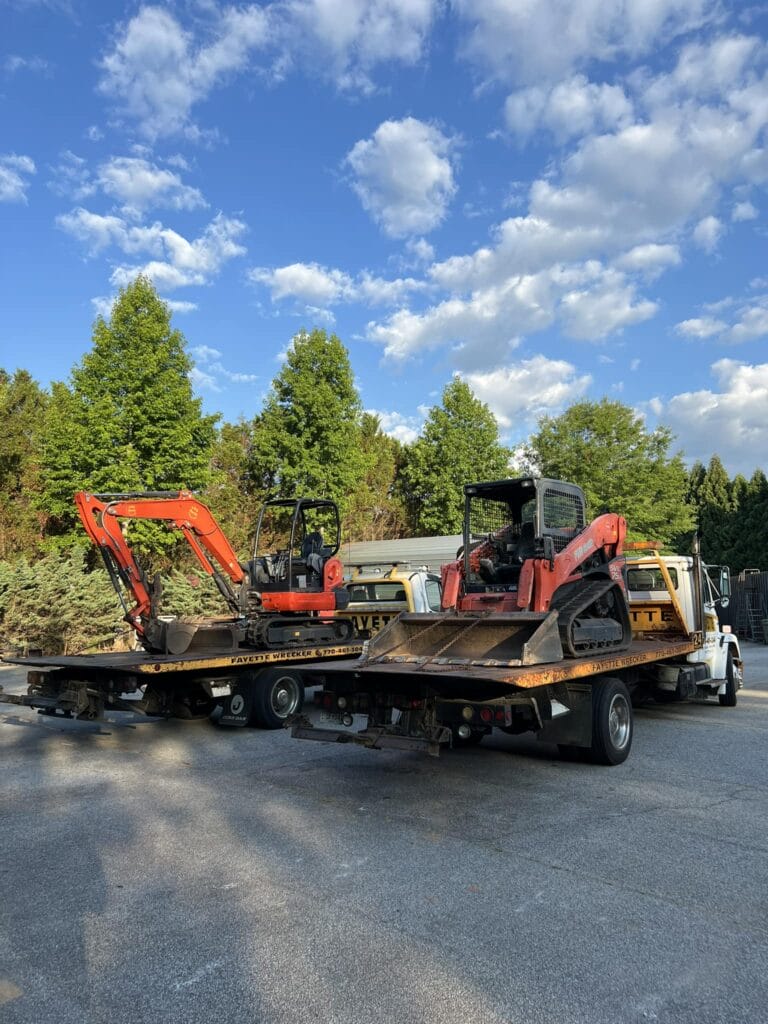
[376, 511]
[231, 494]
[128, 420]
[22, 411]
[306, 439]
[459, 444]
[621, 466]
[715, 510]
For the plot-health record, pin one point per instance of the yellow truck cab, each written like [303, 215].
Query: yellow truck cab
[378, 594]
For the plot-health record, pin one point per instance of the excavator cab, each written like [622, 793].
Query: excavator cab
[294, 540]
[295, 580]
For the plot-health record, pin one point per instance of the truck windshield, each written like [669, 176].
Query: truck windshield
[647, 577]
[376, 591]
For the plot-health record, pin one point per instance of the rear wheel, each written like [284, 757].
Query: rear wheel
[728, 699]
[612, 722]
[278, 694]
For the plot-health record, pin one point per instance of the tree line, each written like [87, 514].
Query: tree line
[128, 420]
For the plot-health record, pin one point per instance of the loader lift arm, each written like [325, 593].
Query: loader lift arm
[100, 515]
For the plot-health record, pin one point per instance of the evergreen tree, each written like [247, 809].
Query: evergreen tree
[306, 442]
[231, 494]
[129, 420]
[22, 411]
[605, 448]
[376, 511]
[715, 513]
[459, 445]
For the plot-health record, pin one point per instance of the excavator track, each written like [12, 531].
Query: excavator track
[278, 632]
[592, 617]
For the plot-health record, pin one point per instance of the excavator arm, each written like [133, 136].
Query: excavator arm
[101, 514]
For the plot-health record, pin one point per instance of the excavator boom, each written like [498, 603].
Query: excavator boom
[100, 515]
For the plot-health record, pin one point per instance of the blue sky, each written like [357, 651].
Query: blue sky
[559, 200]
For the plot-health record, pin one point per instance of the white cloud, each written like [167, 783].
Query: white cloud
[210, 374]
[14, 172]
[701, 327]
[744, 211]
[707, 233]
[650, 259]
[730, 420]
[157, 71]
[749, 322]
[178, 261]
[752, 322]
[531, 42]
[320, 286]
[404, 176]
[13, 63]
[569, 109]
[347, 38]
[138, 184]
[403, 428]
[521, 392]
[603, 308]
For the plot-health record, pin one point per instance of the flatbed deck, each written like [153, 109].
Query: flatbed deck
[131, 663]
[640, 652]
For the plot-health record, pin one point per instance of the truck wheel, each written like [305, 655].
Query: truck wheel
[612, 722]
[278, 693]
[728, 699]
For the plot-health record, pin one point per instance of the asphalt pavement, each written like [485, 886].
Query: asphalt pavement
[180, 872]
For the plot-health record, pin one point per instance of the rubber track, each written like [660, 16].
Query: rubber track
[573, 599]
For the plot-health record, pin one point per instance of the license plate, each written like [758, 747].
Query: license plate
[336, 719]
[223, 690]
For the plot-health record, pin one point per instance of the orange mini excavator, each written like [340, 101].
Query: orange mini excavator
[286, 595]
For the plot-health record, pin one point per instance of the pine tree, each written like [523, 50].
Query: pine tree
[376, 511]
[128, 420]
[22, 411]
[715, 512]
[306, 440]
[460, 444]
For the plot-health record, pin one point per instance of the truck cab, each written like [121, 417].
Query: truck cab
[678, 594]
[378, 594]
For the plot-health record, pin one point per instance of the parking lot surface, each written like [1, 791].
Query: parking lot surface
[171, 871]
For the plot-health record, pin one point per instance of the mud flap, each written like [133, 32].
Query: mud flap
[573, 729]
[237, 708]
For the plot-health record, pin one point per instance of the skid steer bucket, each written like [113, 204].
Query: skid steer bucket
[467, 638]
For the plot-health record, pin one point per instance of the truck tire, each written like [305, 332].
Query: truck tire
[278, 693]
[728, 699]
[612, 722]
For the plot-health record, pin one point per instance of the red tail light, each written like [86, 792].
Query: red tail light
[486, 714]
[327, 700]
[500, 715]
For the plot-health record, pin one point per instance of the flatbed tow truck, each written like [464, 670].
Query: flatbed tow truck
[424, 685]
[253, 687]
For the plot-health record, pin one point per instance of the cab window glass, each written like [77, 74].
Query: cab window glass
[649, 578]
[432, 588]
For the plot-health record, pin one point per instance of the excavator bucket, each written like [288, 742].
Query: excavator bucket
[465, 638]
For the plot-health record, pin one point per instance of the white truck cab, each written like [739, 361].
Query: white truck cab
[671, 594]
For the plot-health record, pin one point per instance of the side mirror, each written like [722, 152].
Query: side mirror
[725, 586]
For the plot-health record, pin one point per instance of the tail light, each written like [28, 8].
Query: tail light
[500, 715]
[486, 714]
